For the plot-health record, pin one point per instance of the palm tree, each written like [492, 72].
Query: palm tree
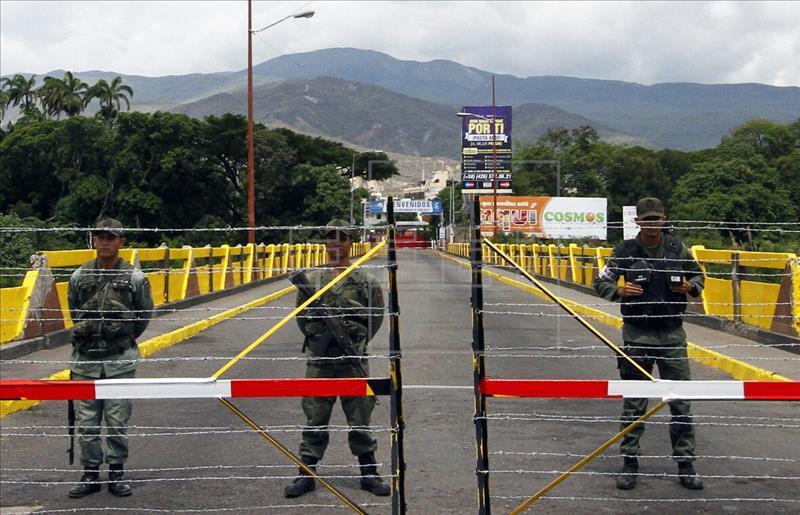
[111, 97]
[21, 91]
[68, 95]
[4, 101]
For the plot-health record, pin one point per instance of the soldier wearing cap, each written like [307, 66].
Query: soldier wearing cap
[358, 299]
[658, 272]
[111, 305]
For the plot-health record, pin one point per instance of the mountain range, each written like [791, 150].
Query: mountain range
[373, 100]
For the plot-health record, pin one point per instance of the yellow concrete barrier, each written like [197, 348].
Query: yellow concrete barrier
[766, 305]
[202, 270]
[737, 369]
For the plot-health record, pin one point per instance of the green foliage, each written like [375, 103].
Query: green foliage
[168, 170]
[17, 246]
[753, 175]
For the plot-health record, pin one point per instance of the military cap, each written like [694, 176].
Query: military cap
[333, 225]
[649, 206]
[109, 225]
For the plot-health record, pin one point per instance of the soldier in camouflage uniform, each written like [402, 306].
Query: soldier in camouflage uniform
[360, 300]
[111, 305]
[659, 271]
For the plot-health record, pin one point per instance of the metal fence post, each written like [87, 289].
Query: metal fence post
[479, 365]
[397, 421]
[737, 287]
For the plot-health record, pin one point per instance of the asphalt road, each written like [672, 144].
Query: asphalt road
[196, 455]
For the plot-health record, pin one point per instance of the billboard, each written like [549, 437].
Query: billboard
[546, 217]
[425, 207]
[479, 136]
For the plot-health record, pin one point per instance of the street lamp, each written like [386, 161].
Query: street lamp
[352, 176]
[251, 197]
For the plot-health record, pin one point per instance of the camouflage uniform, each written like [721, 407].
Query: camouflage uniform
[110, 308]
[651, 341]
[359, 299]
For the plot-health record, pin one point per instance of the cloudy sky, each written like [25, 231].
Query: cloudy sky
[645, 42]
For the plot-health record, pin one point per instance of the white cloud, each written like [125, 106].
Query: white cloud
[642, 42]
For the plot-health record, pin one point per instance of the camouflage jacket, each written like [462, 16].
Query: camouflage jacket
[110, 309]
[358, 299]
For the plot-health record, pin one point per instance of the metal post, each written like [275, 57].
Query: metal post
[251, 198]
[558, 178]
[737, 287]
[397, 422]
[478, 362]
[494, 163]
[352, 177]
[167, 270]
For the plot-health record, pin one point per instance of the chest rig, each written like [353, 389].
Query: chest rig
[105, 322]
[658, 306]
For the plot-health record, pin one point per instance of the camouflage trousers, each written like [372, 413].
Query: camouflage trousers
[357, 411]
[673, 364]
[89, 416]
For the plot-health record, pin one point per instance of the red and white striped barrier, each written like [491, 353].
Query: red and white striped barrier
[665, 390]
[190, 388]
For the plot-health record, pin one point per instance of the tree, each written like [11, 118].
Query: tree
[4, 101]
[68, 95]
[111, 97]
[737, 189]
[374, 166]
[764, 137]
[21, 91]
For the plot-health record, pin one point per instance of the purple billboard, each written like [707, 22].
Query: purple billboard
[486, 149]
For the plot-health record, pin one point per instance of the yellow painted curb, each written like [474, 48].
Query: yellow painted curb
[737, 369]
[158, 343]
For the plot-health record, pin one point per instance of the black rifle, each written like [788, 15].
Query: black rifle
[332, 321]
[71, 428]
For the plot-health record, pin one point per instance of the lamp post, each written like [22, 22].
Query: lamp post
[251, 197]
[352, 176]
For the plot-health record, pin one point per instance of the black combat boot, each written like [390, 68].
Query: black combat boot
[626, 479]
[116, 484]
[303, 483]
[369, 475]
[688, 477]
[89, 483]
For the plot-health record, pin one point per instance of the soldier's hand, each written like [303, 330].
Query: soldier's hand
[685, 287]
[629, 290]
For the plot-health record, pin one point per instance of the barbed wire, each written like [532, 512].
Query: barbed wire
[640, 474]
[198, 269]
[465, 352]
[614, 356]
[617, 304]
[616, 420]
[328, 228]
[179, 479]
[573, 347]
[641, 456]
[687, 314]
[344, 316]
[296, 429]
[114, 509]
[678, 224]
[201, 467]
[657, 416]
[654, 500]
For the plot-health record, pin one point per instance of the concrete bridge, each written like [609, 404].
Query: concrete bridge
[192, 454]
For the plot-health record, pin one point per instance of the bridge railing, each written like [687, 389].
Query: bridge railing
[758, 289]
[39, 306]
